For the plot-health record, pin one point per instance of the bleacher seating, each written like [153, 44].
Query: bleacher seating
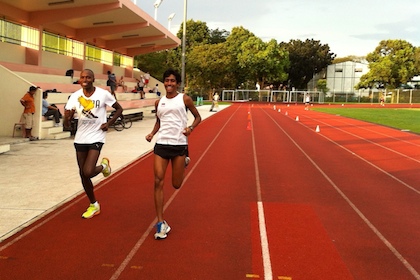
[62, 86]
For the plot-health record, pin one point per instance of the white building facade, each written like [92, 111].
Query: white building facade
[343, 77]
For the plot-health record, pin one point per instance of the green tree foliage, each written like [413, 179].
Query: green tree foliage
[197, 33]
[321, 85]
[306, 59]
[208, 67]
[392, 64]
[264, 62]
[252, 60]
[219, 59]
[218, 36]
[234, 48]
[349, 58]
[156, 63]
[417, 60]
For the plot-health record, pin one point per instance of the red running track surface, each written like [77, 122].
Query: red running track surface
[265, 197]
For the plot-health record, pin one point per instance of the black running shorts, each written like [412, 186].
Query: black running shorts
[86, 147]
[170, 151]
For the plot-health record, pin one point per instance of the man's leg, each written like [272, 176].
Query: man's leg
[178, 169]
[88, 169]
[162, 227]
[160, 166]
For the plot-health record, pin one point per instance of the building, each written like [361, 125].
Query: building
[41, 40]
[343, 77]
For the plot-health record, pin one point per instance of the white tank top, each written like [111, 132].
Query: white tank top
[172, 113]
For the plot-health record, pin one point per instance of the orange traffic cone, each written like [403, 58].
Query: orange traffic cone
[248, 127]
[249, 116]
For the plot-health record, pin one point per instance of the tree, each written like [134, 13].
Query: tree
[234, 47]
[306, 59]
[352, 58]
[208, 67]
[263, 61]
[417, 60]
[321, 85]
[218, 36]
[156, 63]
[197, 33]
[391, 64]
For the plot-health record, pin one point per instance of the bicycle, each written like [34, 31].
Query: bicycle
[120, 123]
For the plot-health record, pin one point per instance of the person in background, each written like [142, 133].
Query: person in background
[50, 110]
[307, 101]
[215, 102]
[140, 86]
[172, 141]
[146, 79]
[28, 102]
[112, 83]
[121, 83]
[90, 103]
[156, 90]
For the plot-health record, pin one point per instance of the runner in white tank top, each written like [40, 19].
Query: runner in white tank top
[172, 141]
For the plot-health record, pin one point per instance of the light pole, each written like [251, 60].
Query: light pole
[156, 5]
[184, 33]
[171, 16]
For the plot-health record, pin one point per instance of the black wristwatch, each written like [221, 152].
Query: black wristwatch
[191, 127]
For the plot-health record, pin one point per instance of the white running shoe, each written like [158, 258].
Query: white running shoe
[162, 228]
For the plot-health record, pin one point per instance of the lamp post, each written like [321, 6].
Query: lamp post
[156, 5]
[184, 33]
[171, 16]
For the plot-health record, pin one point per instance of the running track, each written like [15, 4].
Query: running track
[265, 197]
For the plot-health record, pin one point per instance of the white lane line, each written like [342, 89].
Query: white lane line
[268, 271]
[388, 244]
[140, 242]
[370, 163]
[52, 209]
[372, 142]
[343, 120]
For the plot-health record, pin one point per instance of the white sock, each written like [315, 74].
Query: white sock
[103, 166]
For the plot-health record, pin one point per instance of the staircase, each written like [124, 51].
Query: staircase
[49, 131]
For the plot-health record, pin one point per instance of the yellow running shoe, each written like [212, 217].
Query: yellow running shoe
[107, 170]
[92, 211]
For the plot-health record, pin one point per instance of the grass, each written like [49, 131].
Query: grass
[206, 102]
[401, 118]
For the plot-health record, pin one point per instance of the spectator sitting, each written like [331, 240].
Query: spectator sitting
[156, 90]
[122, 84]
[50, 110]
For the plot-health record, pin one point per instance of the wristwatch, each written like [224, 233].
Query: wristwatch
[191, 127]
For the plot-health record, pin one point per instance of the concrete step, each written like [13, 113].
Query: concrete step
[58, 135]
[45, 131]
[49, 131]
[4, 148]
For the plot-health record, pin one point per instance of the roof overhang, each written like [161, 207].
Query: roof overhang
[117, 25]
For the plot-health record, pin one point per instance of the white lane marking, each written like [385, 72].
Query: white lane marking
[352, 205]
[268, 271]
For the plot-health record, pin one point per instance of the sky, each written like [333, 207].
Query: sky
[352, 27]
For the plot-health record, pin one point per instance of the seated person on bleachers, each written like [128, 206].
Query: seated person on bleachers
[140, 87]
[121, 84]
[50, 110]
[156, 90]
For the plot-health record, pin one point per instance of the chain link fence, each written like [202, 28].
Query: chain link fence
[394, 96]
